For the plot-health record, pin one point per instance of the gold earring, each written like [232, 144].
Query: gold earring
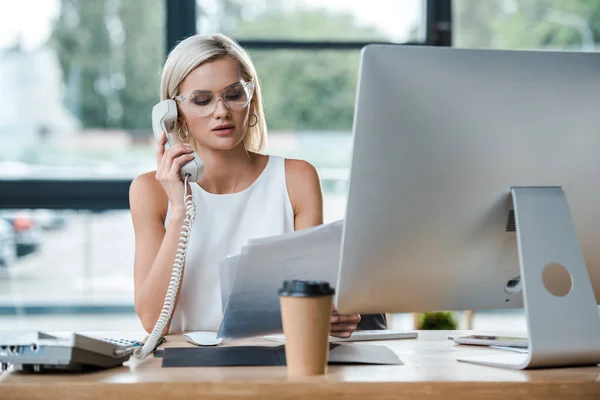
[187, 132]
[255, 122]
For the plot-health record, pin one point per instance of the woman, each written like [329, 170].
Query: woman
[242, 194]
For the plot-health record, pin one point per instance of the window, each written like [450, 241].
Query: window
[528, 24]
[309, 106]
[308, 93]
[328, 20]
[77, 82]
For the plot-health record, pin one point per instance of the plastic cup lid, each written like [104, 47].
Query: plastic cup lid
[306, 288]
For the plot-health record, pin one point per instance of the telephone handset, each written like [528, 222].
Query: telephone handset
[164, 119]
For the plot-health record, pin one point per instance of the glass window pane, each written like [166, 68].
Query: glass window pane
[78, 80]
[82, 262]
[77, 83]
[527, 24]
[377, 20]
[66, 270]
[308, 90]
[309, 105]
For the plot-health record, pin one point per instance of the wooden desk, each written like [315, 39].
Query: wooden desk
[430, 372]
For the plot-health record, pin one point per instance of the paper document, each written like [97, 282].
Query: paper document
[227, 272]
[252, 304]
[509, 348]
[359, 336]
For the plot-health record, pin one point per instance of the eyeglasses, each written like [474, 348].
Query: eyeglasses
[202, 103]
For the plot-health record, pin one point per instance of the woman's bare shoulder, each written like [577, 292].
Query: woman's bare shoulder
[147, 195]
[300, 172]
[304, 189]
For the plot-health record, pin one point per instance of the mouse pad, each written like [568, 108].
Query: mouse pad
[238, 356]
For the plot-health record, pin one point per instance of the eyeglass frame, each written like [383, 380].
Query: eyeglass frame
[248, 85]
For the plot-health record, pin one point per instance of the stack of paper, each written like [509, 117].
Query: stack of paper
[250, 280]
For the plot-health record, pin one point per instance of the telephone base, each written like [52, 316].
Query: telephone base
[39, 352]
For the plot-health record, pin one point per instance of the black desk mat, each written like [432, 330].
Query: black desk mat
[238, 356]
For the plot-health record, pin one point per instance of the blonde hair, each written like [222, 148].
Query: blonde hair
[199, 49]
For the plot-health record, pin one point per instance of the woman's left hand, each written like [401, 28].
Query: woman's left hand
[343, 325]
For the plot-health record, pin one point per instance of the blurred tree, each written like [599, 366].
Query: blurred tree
[219, 15]
[552, 24]
[527, 24]
[313, 90]
[110, 52]
[80, 39]
[143, 55]
[474, 22]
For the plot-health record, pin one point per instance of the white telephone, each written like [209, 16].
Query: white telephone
[164, 119]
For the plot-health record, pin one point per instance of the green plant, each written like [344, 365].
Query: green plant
[439, 320]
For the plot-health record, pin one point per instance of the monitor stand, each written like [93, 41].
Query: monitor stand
[563, 325]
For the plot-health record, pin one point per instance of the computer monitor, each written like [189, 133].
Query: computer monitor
[446, 141]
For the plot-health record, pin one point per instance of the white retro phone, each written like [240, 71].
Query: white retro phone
[164, 119]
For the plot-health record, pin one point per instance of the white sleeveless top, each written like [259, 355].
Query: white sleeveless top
[223, 224]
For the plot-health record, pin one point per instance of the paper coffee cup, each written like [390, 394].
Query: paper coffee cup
[305, 315]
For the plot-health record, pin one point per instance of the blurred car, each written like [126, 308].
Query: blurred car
[27, 235]
[49, 219]
[8, 245]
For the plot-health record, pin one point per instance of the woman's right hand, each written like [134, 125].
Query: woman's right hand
[168, 165]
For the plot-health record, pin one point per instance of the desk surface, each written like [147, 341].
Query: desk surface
[430, 370]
